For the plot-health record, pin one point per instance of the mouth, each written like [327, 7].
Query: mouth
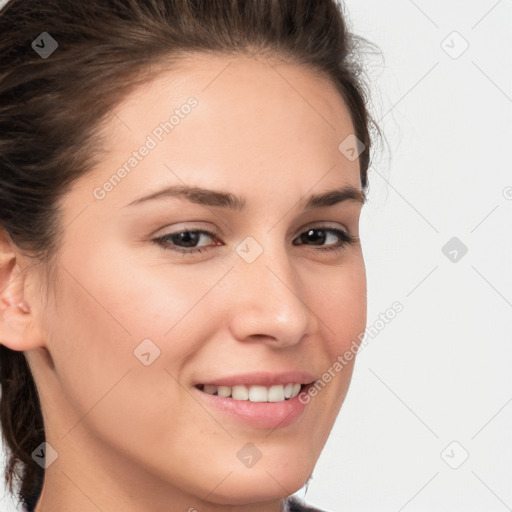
[255, 393]
[257, 406]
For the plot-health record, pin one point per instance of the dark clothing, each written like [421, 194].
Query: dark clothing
[296, 505]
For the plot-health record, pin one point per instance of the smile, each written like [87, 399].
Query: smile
[255, 393]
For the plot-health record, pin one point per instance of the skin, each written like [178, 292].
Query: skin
[132, 437]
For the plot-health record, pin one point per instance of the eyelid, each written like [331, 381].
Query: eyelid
[191, 226]
[343, 234]
[323, 225]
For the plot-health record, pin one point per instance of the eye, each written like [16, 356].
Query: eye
[189, 239]
[186, 242]
[321, 234]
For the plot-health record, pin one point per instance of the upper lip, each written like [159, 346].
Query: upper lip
[262, 378]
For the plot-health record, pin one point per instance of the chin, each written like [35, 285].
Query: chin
[254, 485]
[244, 491]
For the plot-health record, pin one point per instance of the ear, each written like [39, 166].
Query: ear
[18, 326]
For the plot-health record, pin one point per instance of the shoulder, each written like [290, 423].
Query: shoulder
[294, 504]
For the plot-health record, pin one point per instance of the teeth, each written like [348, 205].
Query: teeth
[276, 393]
[258, 394]
[224, 391]
[208, 388]
[240, 393]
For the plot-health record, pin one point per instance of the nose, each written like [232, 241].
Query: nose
[270, 301]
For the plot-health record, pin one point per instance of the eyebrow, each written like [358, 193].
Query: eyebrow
[222, 199]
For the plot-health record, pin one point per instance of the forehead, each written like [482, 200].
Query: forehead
[260, 119]
[235, 92]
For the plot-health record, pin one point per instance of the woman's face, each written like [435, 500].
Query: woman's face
[133, 326]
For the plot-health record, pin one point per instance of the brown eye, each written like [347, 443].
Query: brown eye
[183, 241]
[320, 235]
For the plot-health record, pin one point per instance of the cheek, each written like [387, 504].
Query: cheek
[104, 309]
[341, 305]
[107, 308]
[102, 315]
[340, 302]
[127, 294]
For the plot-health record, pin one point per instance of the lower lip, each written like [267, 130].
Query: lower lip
[270, 415]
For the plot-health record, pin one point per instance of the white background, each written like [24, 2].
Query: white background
[439, 372]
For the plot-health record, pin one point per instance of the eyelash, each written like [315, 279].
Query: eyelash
[345, 238]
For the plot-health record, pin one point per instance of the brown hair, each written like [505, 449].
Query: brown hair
[52, 106]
